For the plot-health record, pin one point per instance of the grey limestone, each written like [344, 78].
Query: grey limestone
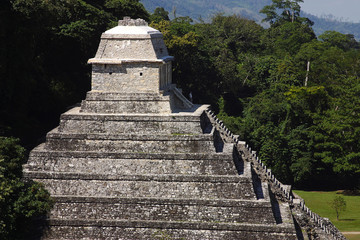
[129, 142]
[126, 78]
[169, 101]
[165, 210]
[80, 122]
[127, 21]
[146, 186]
[77, 229]
[112, 166]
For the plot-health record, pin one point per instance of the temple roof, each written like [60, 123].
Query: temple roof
[129, 42]
[129, 30]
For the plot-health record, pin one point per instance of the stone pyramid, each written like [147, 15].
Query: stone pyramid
[137, 160]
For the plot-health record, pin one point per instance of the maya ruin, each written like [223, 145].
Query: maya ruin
[138, 160]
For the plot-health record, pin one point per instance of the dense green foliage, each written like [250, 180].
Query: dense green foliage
[339, 205]
[44, 49]
[291, 95]
[206, 9]
[21, 203]
[246, 8]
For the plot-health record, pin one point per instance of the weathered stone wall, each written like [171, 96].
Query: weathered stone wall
[111, 166]
[129, 142]
[164, 210]
[131, 47]
[147, 186]
[82, 125]
[159, 47]
[189, 231]
[170, 100]
[74, 122]
[127, 78]
[126, 104]
[165, 75]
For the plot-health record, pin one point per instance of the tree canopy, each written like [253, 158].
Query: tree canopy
[20, 202]
[289, 94]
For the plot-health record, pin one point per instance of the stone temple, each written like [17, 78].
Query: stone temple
[137, 160]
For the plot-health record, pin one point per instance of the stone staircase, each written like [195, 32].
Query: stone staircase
[164, 185]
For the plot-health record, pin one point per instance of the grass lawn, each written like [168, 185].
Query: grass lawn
[319, 202]
[353, 237]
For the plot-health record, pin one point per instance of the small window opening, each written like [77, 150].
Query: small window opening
[141, 74]
[110, 73]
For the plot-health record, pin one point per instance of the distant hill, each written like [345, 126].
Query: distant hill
[205, 9]
[330, 23]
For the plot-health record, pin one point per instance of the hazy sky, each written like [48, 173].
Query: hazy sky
[348, 10]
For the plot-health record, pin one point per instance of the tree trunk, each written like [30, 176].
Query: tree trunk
[307, 73]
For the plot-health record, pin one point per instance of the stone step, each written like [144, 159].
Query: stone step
[177, 123]
[164, 186]
[124, 106]
[129, 142]
[144, 229]
[135, 163]
[112, 102]
[41, 151]
[154, 105]
[193, 210]
[133, 166]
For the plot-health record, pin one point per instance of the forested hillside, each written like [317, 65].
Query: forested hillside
[208, 8]
[246, 8]
[292, 95]
[323, 24]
